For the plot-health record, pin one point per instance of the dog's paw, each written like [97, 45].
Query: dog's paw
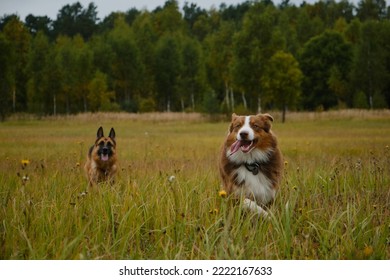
[255, 208]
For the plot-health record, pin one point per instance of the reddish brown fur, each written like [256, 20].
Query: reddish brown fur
[264, 139]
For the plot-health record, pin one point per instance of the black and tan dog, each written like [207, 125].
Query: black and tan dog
[102, 159]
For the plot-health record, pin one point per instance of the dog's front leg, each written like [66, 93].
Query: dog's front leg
[254, 207]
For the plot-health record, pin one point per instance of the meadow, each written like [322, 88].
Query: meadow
[334, 202]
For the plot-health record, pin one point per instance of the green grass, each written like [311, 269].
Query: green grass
[334, 202]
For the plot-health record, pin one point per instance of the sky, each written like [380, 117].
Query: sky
[50, 8]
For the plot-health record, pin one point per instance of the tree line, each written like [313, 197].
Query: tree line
[247, 57]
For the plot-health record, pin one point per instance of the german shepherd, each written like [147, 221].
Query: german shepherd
[101, 159]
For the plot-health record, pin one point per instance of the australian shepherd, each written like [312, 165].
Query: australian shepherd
[251, 162]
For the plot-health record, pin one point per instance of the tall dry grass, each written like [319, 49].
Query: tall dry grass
[334, 202]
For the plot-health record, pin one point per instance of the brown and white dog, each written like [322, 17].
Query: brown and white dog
[251, 163]
[102, 158]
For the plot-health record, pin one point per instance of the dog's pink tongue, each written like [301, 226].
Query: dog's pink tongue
[235, 147]
[104, 157]
[246, 147]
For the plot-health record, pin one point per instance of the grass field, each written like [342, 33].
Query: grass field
[334, 202]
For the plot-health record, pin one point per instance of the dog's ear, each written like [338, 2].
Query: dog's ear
[112, 133]
[267, 122]
[100, 133]
[234, 116]
[268, 119]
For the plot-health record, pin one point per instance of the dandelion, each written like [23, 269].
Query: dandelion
[222, 194]
[25, 162]
[368, 250]
[171, 179]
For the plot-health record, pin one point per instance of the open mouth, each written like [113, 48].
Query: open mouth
[104, 157]
[245, 145]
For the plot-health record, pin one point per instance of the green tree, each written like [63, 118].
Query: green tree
[192, 76]
[37, 23]
[320, 56]
[37, 88]
[74, 19]
[371, 10]
[360, 100]
[219, 52]
[168, 67]
[99, 98]
[385, 35]
[169, 19]
[353, 32]
[127, 69]
[282, 81]
[289, 33]
[206, 24]
[253, 45]
[191, 13]
[19, 38]
[103, 55]
[307, 27]
[65, 62]
[370, 71]
[5, 77]
[73, 67]
[83, 71]
[146, 40]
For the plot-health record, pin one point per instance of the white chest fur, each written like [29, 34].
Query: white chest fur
[257, 186]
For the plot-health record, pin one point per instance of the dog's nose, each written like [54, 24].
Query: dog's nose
[105, 150]
[244, 135]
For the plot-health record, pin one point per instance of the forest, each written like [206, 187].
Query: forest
[249, 57]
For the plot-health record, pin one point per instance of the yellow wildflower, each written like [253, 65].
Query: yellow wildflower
[222, 194]
[25, 162]
[368, 251]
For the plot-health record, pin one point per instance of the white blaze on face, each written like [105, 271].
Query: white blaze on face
[246, 128]
[244, 139]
